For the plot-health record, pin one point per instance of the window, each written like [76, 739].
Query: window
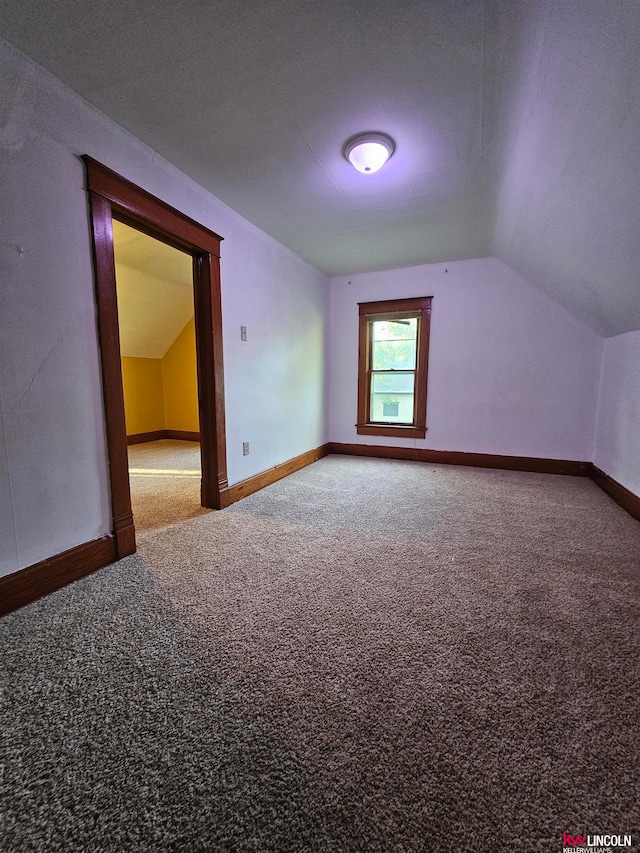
[393, 357]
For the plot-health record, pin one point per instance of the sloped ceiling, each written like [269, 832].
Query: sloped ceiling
[567, 203]
[517, 124]
[155, 292]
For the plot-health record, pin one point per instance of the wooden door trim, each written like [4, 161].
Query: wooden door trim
[112, 196]
[149, 211]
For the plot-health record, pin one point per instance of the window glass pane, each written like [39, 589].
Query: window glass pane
[393, 344]
[392, 397]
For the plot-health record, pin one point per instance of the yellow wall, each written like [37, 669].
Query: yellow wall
[179, 375]
[162, 393]
[143, 394]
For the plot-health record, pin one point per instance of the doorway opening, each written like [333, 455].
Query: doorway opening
[154, 285]
[113, 201]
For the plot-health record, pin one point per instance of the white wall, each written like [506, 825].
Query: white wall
[53, 477]
[510, 371]
[617, 435]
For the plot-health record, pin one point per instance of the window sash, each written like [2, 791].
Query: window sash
[392, 393]
[389, 351]
[400, 309]
[394, 315]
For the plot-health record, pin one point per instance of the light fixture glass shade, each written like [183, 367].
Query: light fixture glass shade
[368, 152]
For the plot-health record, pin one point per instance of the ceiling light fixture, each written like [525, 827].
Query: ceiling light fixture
[368, 152]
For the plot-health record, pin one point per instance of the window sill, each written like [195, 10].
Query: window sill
[397, 430]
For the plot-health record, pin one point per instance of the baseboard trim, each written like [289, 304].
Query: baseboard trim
[182, 435]
[143, 437]
[620, 494]
[240, 490]
[27, 585]
[475, 460]
[159, 434]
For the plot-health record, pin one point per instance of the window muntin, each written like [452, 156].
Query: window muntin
[392, 367]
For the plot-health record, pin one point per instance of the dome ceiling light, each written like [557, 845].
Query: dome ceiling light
[368, 152]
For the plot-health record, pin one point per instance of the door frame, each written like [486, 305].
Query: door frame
[113, 197]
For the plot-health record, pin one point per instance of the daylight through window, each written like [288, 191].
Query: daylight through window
[392, 376]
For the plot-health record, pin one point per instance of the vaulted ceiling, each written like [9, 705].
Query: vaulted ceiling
[517, 124]
[155, 292]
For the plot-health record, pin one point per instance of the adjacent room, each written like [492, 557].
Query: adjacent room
[154, 286]
[320, 426]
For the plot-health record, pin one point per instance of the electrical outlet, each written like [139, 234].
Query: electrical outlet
[245, 448]
[243, 333]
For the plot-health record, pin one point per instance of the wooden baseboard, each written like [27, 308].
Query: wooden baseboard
[143, 437]
[621, 495]
[182, 435]
[159, 434]
[240, 490]
[476, 460]
[26, 585]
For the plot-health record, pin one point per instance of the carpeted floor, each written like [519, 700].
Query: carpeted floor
[366, 656]
[164, 478]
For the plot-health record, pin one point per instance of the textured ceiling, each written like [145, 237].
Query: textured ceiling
[155, 292]
[517, 124]
[567, 187]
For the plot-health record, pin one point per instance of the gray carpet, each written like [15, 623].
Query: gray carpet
[164, 478]
[366, 656]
